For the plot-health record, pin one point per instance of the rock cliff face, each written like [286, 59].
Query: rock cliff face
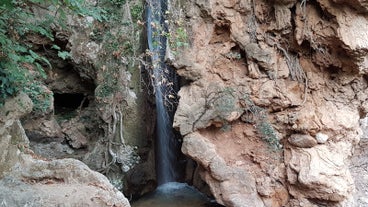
[274, 96]
[94, 109]
[273, 107]
[26, 179]
[100, 111]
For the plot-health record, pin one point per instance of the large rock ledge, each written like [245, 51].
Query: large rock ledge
[65, 182]
[28, 180]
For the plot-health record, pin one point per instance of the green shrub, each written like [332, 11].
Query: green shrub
[118, 3]
[263, 126]
[40, 97]
[136, 11]
[268, 133]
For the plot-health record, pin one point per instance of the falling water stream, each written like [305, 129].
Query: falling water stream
[162, 75]
[169, 193]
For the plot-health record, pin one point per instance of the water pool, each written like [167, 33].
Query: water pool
[175, 194]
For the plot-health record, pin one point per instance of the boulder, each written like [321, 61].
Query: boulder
[14, 109]
[74, 135]
[230, 186]
[64, 182]
[320, 172]
[321, 138]
[12, 135]
[302, 140]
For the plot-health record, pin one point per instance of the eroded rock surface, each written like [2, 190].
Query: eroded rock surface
[359, 166]
[64, 182]
[320, 172]
[265, 74]
[230, 186]
[99, 110]
[29, 180]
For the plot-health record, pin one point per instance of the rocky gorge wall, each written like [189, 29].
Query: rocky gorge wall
[274, 98]
[98, 110]
[27, 179]
[273, 107]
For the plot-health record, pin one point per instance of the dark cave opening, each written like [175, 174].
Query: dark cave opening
[69, 101]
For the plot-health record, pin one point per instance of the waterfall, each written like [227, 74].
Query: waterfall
[168, 169]
[163, 81]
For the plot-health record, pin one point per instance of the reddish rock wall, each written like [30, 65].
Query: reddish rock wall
[270, 74]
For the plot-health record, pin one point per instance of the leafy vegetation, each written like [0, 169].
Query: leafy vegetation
[136, 11]
[118, 3]
[118, 36]
[178, 23]
[177, 34]
[40, 96]
[21, 66]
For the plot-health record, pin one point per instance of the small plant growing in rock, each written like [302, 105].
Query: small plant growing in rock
[40, 96]
[268, 134]
[177, 33]
[263, 126]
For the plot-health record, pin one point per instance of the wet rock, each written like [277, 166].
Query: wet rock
[141, 180]
[302, 140]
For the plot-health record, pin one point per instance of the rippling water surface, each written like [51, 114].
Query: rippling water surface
[175, 194]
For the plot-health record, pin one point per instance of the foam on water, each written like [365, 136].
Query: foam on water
[172, 186]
